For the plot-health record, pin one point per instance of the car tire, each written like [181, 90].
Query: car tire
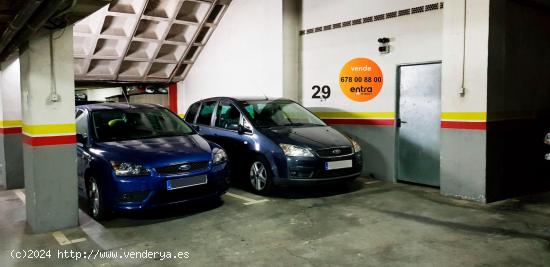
[260, 177]
[96, 204]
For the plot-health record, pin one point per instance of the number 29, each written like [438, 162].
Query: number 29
[321, 92]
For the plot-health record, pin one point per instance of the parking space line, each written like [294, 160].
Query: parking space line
[249, 201]
[372, 182]
[256, 202]
[78, 240]
[63, 240]
[19, 193]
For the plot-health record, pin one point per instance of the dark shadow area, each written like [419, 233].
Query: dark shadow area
[309, 191]
[541, 202]
[518, 101]
[153, 216]
[417, 184]
[486, 230]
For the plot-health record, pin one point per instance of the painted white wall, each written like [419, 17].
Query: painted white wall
[415, 38]
[10, 90]
[101, 94]
[244, 56]
[474, 54]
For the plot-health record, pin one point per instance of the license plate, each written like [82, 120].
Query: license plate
[335, 165]
[186, 182]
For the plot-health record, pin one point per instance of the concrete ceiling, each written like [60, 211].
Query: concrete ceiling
[146, 41]
[8, 10]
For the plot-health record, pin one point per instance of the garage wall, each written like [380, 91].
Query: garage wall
[244, 56]
[10, 90]
[415, 38]
[101, 94]
[519, 98]
[11, 159]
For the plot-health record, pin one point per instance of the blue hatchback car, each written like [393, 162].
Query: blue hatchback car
[133, 157]
[276, 141]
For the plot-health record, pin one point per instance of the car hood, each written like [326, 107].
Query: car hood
[156, 152]
[318, 137]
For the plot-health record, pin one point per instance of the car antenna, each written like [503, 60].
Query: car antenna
[125, 94]
[262, 91]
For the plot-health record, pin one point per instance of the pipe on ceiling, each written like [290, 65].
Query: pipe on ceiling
[34, 23]
[18, 22]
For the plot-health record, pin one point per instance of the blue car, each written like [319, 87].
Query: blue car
[135, 157]
[275, 142]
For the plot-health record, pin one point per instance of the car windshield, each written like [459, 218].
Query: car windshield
[142, 123]
[275, 113]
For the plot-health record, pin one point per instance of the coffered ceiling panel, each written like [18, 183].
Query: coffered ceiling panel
[144, 40]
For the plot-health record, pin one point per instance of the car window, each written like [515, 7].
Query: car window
[137, 123]
[192, 112]
[78, 113]
[227, 116]
[273, 113]
[205, 115]
[82, 124]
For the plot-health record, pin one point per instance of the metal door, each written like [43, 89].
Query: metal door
[418, 138]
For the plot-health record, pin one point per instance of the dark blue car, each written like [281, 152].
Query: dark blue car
[276, 141]
[133, 157]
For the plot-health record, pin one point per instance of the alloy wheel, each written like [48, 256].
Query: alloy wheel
[258, 176]
[94, 198]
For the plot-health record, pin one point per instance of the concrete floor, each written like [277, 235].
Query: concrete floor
[366, 223]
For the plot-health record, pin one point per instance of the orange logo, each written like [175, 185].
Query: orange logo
[361, 79]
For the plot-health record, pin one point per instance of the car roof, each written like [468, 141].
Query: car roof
[107, 106]
[242, 98]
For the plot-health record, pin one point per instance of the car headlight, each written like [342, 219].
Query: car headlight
[295, 151]
[129, 169]
[218, 156]
[356, 146]
[547, 139]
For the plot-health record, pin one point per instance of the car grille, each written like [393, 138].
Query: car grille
[175, 169]
[183, 194]
[335, 173]
[330, 152]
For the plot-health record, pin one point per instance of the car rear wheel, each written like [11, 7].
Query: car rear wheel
[260, 176]
[95, 200]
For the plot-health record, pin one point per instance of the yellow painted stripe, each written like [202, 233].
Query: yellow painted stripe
[182, 116]
[356, 115]
[464, 116]
[16, 123]
[50, 129]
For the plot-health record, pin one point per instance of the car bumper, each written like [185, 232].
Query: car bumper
[312, 170]
[150, 193]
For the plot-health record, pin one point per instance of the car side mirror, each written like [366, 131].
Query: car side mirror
[233, 127]
[547, 139]
[81, 138]
[243, 130]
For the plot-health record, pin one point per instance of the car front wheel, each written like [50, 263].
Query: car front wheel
[95, 200]
[260, 176]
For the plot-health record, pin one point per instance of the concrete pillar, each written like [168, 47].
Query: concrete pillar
[292, 20]
[49, 153]
[11, 159]
[464, 99]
